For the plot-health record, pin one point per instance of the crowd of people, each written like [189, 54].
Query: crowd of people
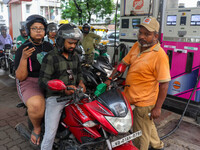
[46, 52]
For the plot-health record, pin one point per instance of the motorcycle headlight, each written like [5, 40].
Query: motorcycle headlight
[121, 124]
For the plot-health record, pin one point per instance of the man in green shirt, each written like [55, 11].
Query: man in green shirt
[23, 37]
[90, 40]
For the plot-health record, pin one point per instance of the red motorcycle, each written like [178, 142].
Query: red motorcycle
[95, 123]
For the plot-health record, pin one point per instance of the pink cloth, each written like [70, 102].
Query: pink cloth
[28, 88]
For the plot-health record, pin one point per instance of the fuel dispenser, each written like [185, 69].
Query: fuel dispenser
[179, 37]
[181, 41]
[132, 12]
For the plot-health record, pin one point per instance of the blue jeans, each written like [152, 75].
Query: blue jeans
[52, 117]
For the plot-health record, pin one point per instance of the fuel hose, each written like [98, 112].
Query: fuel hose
[181, 118]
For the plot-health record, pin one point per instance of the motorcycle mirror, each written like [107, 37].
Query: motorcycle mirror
[56, 85]
[121, 68]
[19, 42]
[79, 49]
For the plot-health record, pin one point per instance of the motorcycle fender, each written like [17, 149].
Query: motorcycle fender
[126, 146]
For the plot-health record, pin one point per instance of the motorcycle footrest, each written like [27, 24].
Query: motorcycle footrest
[21, 105]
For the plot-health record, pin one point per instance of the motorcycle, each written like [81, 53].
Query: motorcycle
[7, 60]
[97, 73]
[91, 123]
[100, 122]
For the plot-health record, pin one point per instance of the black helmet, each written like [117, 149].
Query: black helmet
[3, 28]
[22, 28]
[68, 31]
[35, 18]
[86, 25]
[52, 27]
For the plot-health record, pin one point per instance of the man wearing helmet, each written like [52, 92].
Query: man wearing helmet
[51, 33]
[90, 40]
[27, 66]
[4, 37]
[61, 63]
[22, 37]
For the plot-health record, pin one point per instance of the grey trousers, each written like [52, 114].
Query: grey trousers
[53, 112]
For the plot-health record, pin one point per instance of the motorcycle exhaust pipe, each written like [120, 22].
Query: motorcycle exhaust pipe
[23, 130]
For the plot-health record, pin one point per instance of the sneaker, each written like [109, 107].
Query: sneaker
[11, 76]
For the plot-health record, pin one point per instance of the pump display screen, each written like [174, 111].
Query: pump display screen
[135, 21]
[125, 23]
[195, 20]
[171, 20]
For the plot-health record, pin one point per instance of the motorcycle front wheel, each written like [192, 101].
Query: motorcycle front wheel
[3, 63]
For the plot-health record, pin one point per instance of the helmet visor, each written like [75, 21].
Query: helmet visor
[53, 30]
[71, 34]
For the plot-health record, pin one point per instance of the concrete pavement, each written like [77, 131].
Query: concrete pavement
[10, 116]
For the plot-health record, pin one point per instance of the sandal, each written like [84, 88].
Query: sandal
[37, 136]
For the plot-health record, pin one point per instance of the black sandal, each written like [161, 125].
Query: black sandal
[37, 136]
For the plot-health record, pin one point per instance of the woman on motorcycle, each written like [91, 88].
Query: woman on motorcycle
[27, 72]
[61, 63]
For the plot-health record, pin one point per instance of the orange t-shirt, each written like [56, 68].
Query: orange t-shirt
[146, 70]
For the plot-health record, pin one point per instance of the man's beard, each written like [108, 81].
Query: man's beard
[25, 36]
[145, 43]
[68, 51]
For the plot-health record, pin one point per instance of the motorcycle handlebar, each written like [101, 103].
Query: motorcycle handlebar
[70, 88]
[65, 98]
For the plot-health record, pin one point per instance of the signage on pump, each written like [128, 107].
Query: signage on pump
[138, 4]
[176, 85]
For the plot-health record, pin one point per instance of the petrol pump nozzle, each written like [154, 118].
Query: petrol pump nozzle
[120, 69]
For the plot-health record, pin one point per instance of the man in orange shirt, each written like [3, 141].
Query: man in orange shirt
[148, 77]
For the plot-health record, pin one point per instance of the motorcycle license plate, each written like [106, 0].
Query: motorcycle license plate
[126, 139]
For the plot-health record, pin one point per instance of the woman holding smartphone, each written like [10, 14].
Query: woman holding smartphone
[27, 64]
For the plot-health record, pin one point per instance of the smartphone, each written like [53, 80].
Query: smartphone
[29, 44]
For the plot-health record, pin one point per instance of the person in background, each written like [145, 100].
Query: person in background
[27, 63]
[61, 63]
[148, 79]
[51, 33]
[89, 42]
[4, 38]
[22, 37]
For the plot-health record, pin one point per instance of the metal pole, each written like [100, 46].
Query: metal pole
[115, 24]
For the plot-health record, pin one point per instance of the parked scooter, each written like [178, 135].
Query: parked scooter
[89, 123]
